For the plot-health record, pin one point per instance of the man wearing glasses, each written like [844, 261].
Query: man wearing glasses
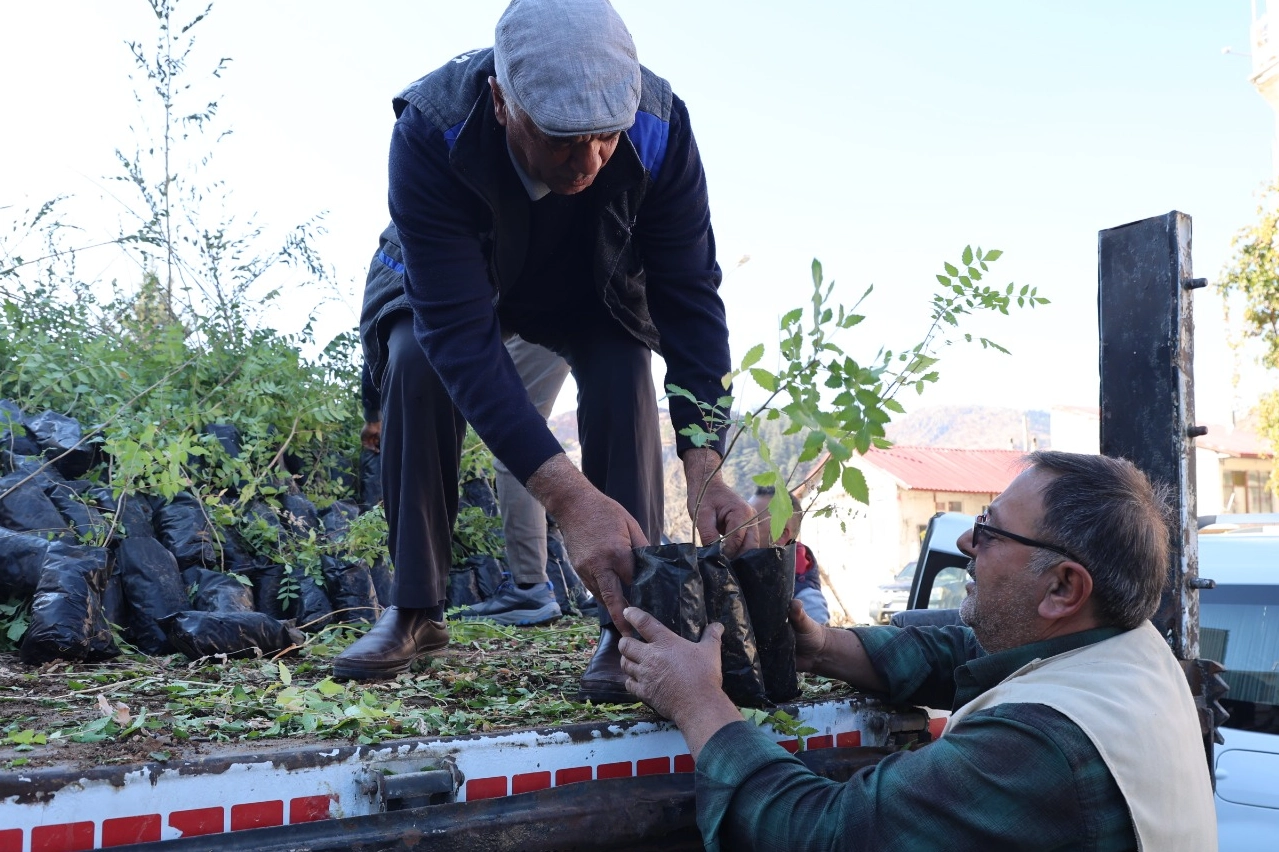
[1072, 726]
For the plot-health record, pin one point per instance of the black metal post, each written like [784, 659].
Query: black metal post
[1146, 327]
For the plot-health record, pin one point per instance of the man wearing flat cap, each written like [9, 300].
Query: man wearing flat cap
[549, 188]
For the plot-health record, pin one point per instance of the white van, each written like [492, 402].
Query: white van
[1239, 627]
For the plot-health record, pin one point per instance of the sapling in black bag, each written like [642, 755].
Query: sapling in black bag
[767, 575]
[668, 586]
[739, 658]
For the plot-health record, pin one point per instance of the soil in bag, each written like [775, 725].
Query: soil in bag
[213, 591]
[183, 527]
[22, 557]
[235, 634]
[767, 575]
[739, 658]
[66, 614]
[668, 586]
[153, 588]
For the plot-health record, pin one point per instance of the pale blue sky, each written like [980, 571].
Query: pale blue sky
[879, 137]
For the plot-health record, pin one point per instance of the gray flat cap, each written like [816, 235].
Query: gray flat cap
[569, 64]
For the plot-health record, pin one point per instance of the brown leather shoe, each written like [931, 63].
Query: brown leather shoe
[604, 682]
[390, 647]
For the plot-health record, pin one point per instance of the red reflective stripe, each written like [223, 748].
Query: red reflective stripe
[136, 829]
[309, 808]
[67, 837]
[936, 726]
[572, 776]
[486, 788]
[653, 766]
[683, 763]
[790, 745]
[11, 840]
[849, 739]
[527, 782]
[198, 821]
[614, 770]
[821, 742]
[257, 815]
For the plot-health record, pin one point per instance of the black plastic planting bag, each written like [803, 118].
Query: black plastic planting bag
[183, 527]
[85, 520]
[26, 508]
[61, 439]
[739, 658]
[235, 634]
[153, 589]
[315, 610]
[266, 578]
[131, 512]
[767, 575]
[14, 435]
[22, 558]
[213, 591]
[350, 588]
[66, 614]
[668, 586]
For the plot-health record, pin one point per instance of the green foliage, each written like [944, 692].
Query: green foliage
[15, 615]
[1252, 274]
[837, 406]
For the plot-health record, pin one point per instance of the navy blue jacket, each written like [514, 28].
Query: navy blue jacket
[459, 237]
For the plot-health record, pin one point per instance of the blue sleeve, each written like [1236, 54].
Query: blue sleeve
[440, 223]
[673, 234]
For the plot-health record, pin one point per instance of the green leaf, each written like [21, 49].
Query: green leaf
[951, 269]
[817, 272]
[764, 379]
[994, 254]
[792, 317]
[968, 255]
[752, 356]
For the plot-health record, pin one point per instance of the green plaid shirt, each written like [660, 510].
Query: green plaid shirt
[1014, 776]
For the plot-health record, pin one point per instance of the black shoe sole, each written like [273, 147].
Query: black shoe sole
[362, 673]
[604, 696]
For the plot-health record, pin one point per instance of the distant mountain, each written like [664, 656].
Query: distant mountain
[973, 427]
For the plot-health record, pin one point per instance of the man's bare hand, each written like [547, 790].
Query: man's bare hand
[810, 638]
[371, 436]
[667, 672]
[719, 511]
[679, 679]
[598, 533]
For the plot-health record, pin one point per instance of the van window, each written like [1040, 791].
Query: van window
[1239, 627]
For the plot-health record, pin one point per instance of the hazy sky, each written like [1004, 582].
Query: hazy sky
[878, 137]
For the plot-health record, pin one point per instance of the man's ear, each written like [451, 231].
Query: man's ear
[499, 102]
[1068, 593]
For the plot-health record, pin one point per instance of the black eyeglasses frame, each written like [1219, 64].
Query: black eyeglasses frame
[980, 526]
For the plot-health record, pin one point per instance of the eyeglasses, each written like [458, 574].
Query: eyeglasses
[980, 528]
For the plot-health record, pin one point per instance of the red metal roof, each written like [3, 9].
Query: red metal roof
[945, 469]
[1238, 441]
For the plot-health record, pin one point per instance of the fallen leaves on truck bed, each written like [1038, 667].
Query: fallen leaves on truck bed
[138, 708]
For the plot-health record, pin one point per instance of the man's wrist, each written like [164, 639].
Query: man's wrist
[700, 717]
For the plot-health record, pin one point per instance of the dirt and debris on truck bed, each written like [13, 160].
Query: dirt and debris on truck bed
[138, 708]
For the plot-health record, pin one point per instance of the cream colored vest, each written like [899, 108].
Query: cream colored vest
[1129, 695]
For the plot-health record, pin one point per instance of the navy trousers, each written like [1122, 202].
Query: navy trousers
[422, 435]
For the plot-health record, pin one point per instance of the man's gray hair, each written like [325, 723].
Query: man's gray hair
[1107, 512]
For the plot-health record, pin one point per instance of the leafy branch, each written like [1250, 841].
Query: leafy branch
[840, 405]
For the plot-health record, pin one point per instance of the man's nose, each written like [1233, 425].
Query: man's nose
[589, 157]
[965, 544]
